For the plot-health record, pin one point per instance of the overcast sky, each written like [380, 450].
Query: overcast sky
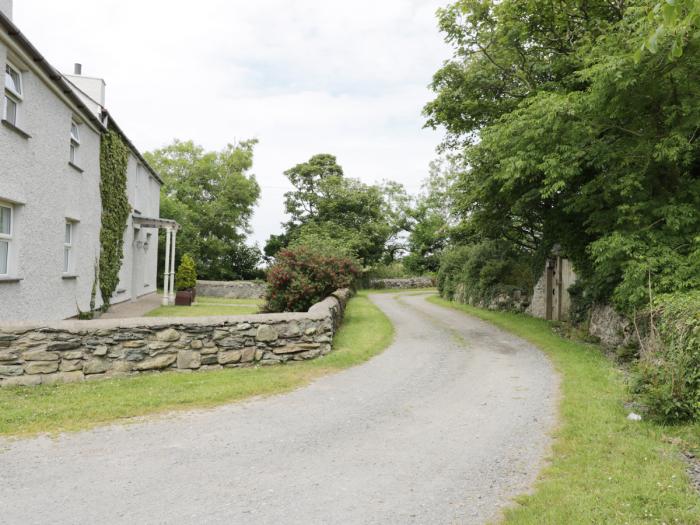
[302, 76]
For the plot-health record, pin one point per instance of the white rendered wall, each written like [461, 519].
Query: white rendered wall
[35, 172]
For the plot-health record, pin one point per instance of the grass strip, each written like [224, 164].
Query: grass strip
[604, 468]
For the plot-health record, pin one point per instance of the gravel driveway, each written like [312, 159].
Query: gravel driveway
[444, 427]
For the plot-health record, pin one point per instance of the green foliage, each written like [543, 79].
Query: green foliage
[476, 273]
[431, 220]
[211, 195]
[114, 156]
[186, 275]
[301, 277]
[580, 142]
[331, 212]
[668, 375]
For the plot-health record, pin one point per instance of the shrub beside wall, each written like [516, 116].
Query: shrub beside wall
[668, 374]
[302, 276]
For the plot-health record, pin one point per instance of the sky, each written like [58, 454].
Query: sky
[302, 76]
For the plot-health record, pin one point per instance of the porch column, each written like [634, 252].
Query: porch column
[166, 281]
[166, 272]
[172, 270]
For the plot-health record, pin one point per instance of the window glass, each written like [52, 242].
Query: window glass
[69, 231]
[13, 81]
[10, 110]
[4, 250]
[5, 220]
[72, 153]
[74, 132]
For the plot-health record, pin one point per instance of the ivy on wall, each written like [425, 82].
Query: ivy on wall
[114, 156]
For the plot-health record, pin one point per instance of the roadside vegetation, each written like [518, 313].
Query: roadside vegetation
[366, 331]
[604, 468]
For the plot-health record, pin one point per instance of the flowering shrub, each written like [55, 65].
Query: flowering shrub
[302, 276]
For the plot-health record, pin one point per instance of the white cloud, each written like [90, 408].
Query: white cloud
[304, 77]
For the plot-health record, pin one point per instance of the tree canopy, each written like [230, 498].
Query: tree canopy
[211, 194]
[337, 214]
[571, 136]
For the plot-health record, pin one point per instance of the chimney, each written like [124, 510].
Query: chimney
[6, 8]
[90, 89]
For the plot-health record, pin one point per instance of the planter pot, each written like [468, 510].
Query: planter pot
[184, 298]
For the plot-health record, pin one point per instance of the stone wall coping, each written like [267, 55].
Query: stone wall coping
[317, 312]
[229, 282]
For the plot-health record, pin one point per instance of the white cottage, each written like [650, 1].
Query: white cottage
[50, 205]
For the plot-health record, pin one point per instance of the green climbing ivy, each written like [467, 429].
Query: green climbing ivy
[114, 156]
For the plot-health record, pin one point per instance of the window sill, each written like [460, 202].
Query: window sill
[67, 276]
[76, 167]
[10, 279]
[9, 125]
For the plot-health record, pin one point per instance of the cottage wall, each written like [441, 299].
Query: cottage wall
[44, 191]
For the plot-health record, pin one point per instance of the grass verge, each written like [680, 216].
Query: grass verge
[400, 290]
[366, 331]
[202, 310]
[604, 469]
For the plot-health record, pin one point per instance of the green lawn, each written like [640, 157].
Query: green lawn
[366, 331]
[604, 468]
[225, 300]
[202, 310]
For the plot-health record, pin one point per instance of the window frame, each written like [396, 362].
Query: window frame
[11, 94]
[68, 231]
[8, 237]
[74, 142]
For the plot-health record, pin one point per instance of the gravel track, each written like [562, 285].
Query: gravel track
[446, 426]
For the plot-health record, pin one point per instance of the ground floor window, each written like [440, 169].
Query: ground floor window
[5, 237]
[67, 247]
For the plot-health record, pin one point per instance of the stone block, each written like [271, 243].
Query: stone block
[156, 363]
[67, 345]
[134, 344]
[39, 355]
[196, 344]
[169, 335]
[70, 365]
[248, 355]
[188, 359]
[209, 360]
[231, 342]
[72, 354]
[11, 370]
[96, 366]
[22, 381]
[8, 356]
[100, 350]
[266, 333]
[41, 367]
[289, 349]
[226, 358]
[63, 377]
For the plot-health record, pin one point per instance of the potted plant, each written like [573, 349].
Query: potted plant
[185, 281]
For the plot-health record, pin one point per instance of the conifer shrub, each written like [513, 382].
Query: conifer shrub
[186, 275]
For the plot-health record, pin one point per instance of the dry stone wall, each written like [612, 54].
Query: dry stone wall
[70, 351]
[232, 289]
[408, 283]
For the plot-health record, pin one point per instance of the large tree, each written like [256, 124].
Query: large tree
[572, 136]
[337, 213]
[211, 194]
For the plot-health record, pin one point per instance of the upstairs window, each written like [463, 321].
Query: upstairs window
[67, 247]
[13, 94]
[5, 237]
[74, 142]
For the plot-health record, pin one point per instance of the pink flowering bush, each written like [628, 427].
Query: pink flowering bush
[302, 276]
